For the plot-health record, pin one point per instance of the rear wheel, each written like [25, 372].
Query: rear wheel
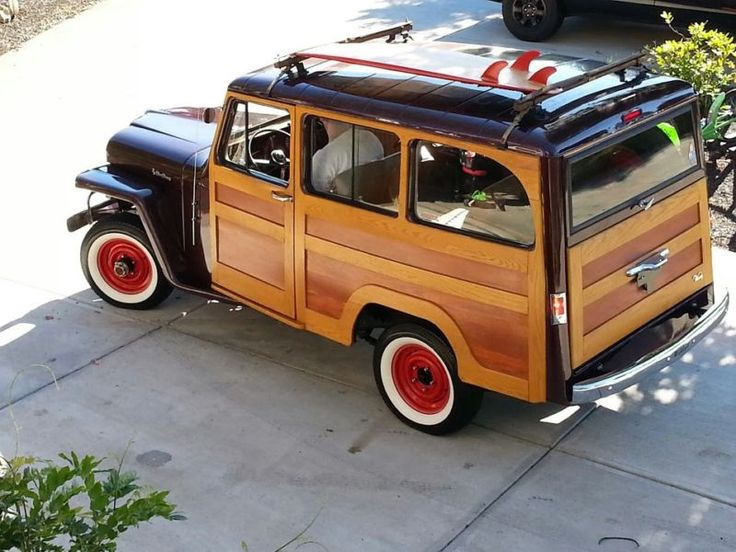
[416, 373]
[118, 262]
[532, 20]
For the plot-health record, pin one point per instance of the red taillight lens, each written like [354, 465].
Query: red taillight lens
[631, 116]
[558, 308]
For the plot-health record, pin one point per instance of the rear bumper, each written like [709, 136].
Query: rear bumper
[596, 388]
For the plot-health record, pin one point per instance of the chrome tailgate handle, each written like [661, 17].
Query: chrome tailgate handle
[654, 262]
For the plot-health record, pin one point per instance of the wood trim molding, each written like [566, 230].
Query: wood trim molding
[437, 282]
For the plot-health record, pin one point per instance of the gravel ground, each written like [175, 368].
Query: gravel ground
[35, 17]
[723, 202]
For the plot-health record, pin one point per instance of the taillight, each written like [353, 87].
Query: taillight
[558, 308]
[631, 116]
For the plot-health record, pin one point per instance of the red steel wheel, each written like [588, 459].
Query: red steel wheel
[125, 266]
[416, 373]
[421, 378]
[119, 265]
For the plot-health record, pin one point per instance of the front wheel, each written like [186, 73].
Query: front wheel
[532, 20]
[119, 265]
[416, 373]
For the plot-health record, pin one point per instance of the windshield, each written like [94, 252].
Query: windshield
[619, 173]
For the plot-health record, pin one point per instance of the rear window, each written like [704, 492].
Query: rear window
[613, 177]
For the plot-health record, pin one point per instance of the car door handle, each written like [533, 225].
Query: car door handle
[652, 263]
[283, 198]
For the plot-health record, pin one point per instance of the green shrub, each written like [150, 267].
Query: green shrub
[705, 58]
[74, 506]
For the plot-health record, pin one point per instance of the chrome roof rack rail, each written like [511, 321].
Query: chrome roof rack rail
[525, 104]
[401, 31]
[578, 80]
[296, 61]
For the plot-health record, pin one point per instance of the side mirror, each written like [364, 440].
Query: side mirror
[279, 157]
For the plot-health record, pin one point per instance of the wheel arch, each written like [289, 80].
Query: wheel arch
[139, 194]
[147, 197]
[430, 315]
[395, 307]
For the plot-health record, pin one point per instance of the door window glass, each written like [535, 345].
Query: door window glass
[258, 140]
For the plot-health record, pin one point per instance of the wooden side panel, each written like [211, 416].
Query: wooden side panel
[250, 204]
[605, 304]
[417, 256]
[252, 253]
[497, 337]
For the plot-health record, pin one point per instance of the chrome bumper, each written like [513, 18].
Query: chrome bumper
[596, 388]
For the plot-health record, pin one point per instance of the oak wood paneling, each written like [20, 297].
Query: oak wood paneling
[610, 239]
[619, 278]
[493, 297]
[250, 204]
[498, 338]
[640, 245]
[419, 257]
[251, 253]
[628, 295]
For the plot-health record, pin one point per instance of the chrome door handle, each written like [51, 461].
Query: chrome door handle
[283, 198]
[652, 263]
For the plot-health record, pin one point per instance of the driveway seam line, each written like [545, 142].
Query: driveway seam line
[56, 379]
[646, 477]
[521, 476]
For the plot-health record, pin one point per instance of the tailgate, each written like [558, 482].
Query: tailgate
[605, 303]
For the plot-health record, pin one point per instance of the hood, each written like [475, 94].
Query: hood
[161, 143]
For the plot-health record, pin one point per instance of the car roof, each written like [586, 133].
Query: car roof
[556, 124]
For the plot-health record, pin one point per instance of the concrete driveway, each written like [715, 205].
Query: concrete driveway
[257, 429]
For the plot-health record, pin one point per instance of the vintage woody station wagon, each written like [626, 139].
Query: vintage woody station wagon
[488, 219]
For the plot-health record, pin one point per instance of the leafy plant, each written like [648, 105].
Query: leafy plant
[74, 506]
[704, 57]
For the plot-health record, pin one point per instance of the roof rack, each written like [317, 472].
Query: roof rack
[296, 61]
[525, 104]
[391, 32]
[617, 66]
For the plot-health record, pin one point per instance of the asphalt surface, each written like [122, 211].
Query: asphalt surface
[259, 430]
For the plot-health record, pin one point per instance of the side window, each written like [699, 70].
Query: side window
[460, 189]
[352, 163]
[257, 141]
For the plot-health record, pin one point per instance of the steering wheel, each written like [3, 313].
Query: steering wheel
[258, 133]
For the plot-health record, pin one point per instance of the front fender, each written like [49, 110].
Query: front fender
[158, 205]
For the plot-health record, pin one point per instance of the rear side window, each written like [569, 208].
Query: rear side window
[613, 177]
[461, 190]
[352, 163]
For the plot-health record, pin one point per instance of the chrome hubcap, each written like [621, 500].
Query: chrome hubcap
[122, 268]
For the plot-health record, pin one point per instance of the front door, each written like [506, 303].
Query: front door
[251, 205]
